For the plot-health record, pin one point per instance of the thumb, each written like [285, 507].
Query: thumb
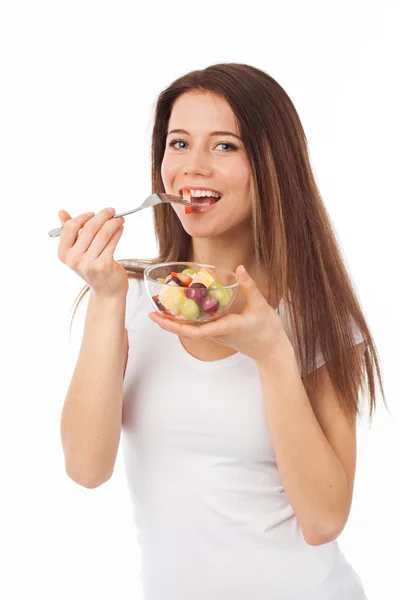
[245, 280]
[63, 216]
[247, 284]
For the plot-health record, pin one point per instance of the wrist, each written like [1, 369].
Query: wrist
[112, 302]
[279, 356]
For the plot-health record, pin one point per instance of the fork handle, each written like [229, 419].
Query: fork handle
[56, 232]
[175, 199]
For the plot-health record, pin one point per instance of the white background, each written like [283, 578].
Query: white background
[79, 80]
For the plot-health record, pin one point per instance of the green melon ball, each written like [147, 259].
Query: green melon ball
[223, 296]
[216, 285]
[189, 272]
[190, 309]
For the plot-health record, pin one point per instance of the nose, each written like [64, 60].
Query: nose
[196, 163]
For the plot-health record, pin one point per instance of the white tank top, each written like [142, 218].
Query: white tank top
[213, 520]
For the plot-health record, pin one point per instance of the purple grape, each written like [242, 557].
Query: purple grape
[158, 303]
[196, 292]
[209, 305]
[178, 281]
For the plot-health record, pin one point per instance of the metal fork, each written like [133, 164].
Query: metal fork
[152, 200]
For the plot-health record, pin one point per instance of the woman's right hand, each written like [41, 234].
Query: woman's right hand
[87, 245]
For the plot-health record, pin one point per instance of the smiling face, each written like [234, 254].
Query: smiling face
[194, 156]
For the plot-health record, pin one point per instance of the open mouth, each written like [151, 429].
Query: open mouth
[200, 197]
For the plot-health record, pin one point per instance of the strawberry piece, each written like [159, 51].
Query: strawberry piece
[188, 197]
[185, 279]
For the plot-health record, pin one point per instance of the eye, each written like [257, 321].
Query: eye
[232, 147]
[228, 146]
[172, 144]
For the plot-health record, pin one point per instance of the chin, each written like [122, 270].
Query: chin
[202, 231]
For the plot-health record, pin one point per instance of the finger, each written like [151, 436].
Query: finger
[250, 290]
[109, 250]
[189, 331]
[91, 229]
[70, 229]
[63, 216]
[223, 326]
[218, 340]
[103, 237]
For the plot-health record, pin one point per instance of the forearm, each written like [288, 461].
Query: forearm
[311, 473]
[92, 412]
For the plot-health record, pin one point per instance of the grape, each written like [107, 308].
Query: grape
[190, 309]
[178, 281]
[196, 292]
[158, 303]
[209, 305]
[220, 293]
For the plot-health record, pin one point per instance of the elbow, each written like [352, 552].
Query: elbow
[319, 540]
[88, 482]
[92, 484]
[324, 535]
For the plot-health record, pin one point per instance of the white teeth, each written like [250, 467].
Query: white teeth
[204, 194]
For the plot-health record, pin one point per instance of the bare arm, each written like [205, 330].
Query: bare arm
[317, 482]
[92, 412]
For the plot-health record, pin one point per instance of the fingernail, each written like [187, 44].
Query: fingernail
[111, 209]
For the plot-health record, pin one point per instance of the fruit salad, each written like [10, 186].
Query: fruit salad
[192, 295]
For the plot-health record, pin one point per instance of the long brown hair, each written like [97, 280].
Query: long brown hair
[293, 236]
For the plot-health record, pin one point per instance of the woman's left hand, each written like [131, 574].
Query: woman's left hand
[255, 332]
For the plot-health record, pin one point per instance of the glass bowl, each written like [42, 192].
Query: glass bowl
[191, 292]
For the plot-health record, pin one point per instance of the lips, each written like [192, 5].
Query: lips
[202, 209]
[205, 200]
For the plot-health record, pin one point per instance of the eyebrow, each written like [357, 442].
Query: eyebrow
[211, 134]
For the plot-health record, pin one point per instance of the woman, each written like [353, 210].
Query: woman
[239, 436]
